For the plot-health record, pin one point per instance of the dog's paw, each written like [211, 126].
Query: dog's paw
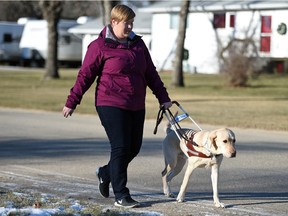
[180, 200]
[220, 205]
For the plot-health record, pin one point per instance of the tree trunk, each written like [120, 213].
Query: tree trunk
[107, 6]
[51, 12]
[177, 76]
[52, 55]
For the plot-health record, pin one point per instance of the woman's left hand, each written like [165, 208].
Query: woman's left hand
[67, 111]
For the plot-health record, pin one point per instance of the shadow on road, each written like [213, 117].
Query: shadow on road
[25, 148]
[245, 199]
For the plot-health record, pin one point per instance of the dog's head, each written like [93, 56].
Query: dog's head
[223, 142]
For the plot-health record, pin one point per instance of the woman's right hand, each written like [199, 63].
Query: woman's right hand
[67, 111]
[166, 105]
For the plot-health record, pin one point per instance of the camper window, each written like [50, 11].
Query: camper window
[7, 38]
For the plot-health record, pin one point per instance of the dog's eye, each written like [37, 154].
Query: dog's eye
[225, 141]
[234, 140]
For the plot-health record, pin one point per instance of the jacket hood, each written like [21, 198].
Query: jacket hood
[109, 37]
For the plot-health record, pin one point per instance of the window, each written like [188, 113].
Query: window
[232, 21]
[7, 38]
[174, 21]
[219, 20]
[266, 24]
[265, 43]
[65, 39]
[265, 39]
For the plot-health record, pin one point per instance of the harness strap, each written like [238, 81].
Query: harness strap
[192, 151]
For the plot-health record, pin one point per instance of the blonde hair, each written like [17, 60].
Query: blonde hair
[122, 12]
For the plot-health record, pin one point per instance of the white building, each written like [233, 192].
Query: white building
[158, 23]
[229, 18]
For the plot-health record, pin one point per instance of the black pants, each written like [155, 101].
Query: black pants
[124, 129]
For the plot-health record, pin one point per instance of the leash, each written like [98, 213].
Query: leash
[159, 119]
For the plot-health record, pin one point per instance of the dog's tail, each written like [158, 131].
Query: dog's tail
[167, 128]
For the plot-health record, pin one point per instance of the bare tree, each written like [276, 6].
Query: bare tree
[71, 9]
[51, 12]
[238, 58]
[177, 76]
[238, 65]
[75, 9]
[23, 8]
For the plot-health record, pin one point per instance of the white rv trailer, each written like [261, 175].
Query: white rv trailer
[10, 35]
[34, 43]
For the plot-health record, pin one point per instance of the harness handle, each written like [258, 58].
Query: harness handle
[160, 115]
[174, 122]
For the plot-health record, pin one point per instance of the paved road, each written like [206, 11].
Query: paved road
[47, 152]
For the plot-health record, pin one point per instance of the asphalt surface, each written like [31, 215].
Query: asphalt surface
[45, 152]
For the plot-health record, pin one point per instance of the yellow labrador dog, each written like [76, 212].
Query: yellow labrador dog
[212, 145]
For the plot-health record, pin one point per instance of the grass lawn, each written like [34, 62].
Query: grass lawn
[207, 98]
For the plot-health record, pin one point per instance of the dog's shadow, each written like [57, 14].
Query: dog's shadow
[230, 199]
[243, 199]
[254, 198]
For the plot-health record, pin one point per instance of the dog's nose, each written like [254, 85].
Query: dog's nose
[233, 154]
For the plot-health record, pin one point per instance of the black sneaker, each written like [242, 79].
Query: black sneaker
[126, 202]
[103, 186]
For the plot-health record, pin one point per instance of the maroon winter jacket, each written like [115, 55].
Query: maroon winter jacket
[123, 72]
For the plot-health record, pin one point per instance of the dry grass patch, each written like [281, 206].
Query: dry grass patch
[208, 98]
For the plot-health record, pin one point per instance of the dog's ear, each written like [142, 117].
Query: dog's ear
[212, 137]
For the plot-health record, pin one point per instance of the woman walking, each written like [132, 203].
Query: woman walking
[121, 62]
